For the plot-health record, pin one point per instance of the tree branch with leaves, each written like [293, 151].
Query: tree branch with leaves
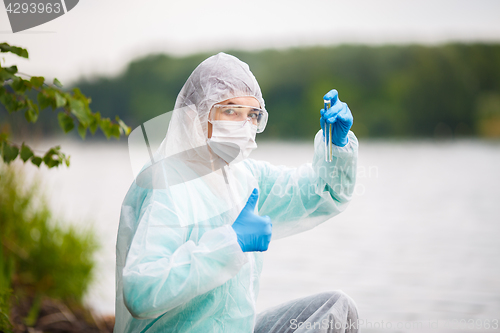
[73, 107]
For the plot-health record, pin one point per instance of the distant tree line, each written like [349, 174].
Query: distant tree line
[410, 91]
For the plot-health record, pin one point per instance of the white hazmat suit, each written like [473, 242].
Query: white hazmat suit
[179, 267]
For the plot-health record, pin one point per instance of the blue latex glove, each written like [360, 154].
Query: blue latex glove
[253, 231]
[339, 116]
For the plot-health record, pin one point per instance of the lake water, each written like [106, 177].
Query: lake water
[420, 241]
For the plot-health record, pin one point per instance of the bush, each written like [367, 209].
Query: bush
[40, 258]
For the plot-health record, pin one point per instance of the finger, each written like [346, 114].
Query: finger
[334, 110]
[331, 96]
[333, 119]
[252, 200]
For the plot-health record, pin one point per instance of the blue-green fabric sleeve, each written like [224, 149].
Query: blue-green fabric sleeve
[298, 199]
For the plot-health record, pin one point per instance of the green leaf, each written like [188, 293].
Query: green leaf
[37, 81]
[57, 83]
[9, 153]
[43, 100]
[95, 122]
[50, 163]
[21, 104]
[82, 130]
[36, 160]
[65, 122]
[26, 152]
[32, 113]
[5, 74]
[52, 157]
[105, 125]
[123, 127]
[30, 116]
[18, 84]
[78, 109]
[11, 103]
[115, 130]
[8, 99]
[50, 95]
[4, 47]
[78, 95]
[12, 69]
[60, 100]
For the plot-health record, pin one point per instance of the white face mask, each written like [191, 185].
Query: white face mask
[233, 141]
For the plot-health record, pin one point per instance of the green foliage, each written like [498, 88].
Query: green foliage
[52, 158]
[4, 47]
[73, 108]
[401, 91]
[6, 272]
[38, 256]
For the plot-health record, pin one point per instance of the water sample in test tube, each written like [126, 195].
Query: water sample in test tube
[328, 135]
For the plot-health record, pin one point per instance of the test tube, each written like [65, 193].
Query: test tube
[328, 135]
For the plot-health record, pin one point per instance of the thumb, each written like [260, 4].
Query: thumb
[252, 200]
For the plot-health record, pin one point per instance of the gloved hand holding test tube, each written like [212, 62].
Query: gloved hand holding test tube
[336, 121]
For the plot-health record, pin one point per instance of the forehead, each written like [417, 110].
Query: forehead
[246, 100]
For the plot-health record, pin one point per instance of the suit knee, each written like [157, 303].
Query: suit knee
[340, 296]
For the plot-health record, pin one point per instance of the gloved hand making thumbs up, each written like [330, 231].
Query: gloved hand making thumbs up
[253, 231]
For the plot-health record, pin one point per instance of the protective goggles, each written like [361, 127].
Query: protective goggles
[256, 116]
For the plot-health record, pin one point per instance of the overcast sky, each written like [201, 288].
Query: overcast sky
[99, 37]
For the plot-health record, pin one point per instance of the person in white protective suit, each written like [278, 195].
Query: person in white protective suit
[195, 222]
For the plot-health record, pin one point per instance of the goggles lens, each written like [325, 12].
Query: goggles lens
[231, 112]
